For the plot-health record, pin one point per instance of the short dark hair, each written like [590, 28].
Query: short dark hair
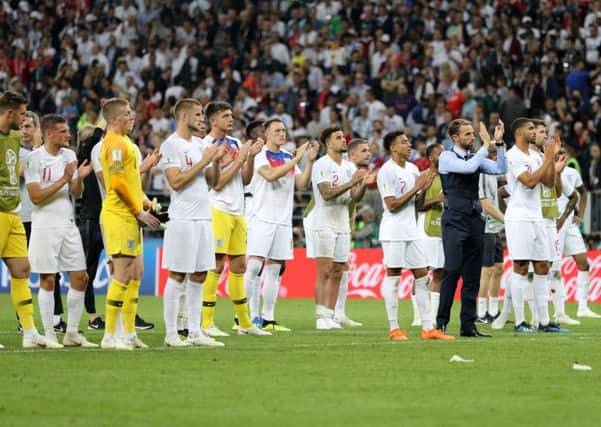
[430, 148]
[538, 122]
[51, 120]
[11, 100]
[354, 143]
[215, 107]
[327, 133]
[455, 125]
[185, 105]
[271, 121]
[390, 137]
[252, 126]
[519, 123]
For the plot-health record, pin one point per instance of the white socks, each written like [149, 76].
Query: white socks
[390, 292]
[582, 282]
[340, 309]
[541, 295]
[252, 279]
[173, 290]
[507, 300]
[532, 303]
[434, 302]
[422, 297]
[416, 313]
[557, 293]
[271, 288]
[194, 306]
[493, 306]
[75, 301]
[46, 303]
[481, 307]
[518, 287]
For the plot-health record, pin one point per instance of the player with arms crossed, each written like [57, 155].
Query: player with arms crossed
[51, 176]
[186, 163]
[336, 183]
[121, 216]
[229, 222]
[399, 181]
[270, 224]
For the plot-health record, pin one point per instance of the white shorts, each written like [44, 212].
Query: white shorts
[268, 240]
[527, 240]
[329, 244]
[434, 252]
[52, 250]
[552, 241]
[571, 241]
[406, 254]
[188, 246]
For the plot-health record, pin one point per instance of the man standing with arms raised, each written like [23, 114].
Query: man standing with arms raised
[462, 222]
[229, 223]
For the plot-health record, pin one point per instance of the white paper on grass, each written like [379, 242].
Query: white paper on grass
[580, 367]
[458, 359]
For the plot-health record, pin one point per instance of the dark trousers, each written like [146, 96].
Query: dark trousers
[463, 242]
[58, 302]
[91, 237]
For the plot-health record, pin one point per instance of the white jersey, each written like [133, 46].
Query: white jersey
[273, 201]
[395, 181]
[97, 166]
[230, 198]
[525, 203]
[26, 205]
[46, 169]
[192, 201]
[333, 214]
[570, 181]
[488, 186]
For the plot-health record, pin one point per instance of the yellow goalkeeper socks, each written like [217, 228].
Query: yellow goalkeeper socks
[130, 306]
[235, 284]
[209, 299]
[114, 304]
[20, 294]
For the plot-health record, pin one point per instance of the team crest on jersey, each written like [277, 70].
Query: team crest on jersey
[117, 155]
[219, 243]
[130, 244]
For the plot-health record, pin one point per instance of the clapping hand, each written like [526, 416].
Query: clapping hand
[84, 169]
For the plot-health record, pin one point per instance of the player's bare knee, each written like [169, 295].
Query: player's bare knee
[238, 264]
[47, 282]
[541, 268]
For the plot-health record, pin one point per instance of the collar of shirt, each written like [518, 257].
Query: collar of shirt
[462, 153]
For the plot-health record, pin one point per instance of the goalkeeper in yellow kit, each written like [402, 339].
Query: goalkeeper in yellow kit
[121, 216]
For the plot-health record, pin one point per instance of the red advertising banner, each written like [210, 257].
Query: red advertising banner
[366, 273]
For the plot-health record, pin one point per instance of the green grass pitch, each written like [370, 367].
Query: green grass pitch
[353, 377]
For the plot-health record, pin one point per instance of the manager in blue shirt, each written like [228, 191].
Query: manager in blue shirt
[462, 221]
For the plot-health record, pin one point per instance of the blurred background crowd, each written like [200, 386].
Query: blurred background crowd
[369, 66]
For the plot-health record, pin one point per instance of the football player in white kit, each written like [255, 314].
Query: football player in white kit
[336, 182]
[527, 239]
[399, 181]
[270, 222]
[429, 204]
[190, 167]
[571, 242]
[52, 175]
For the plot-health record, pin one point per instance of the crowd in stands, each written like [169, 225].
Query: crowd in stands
[369, 66]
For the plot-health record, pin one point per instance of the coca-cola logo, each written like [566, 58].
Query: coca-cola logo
[365, 278]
